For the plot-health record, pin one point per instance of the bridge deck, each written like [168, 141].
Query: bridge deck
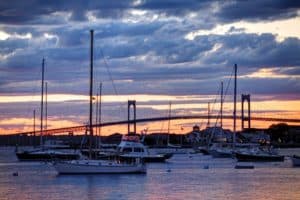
[85, 127]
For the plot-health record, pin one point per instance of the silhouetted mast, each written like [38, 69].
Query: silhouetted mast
[42, 102]
[33, 127]
[208, 114]
[221, 111]
[234, 105]
[100, 111]
[46, 105]
[91, 93]
[96, 120]
[170, 104]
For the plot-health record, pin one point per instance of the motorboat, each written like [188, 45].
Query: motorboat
[296, 160]
[131, 147]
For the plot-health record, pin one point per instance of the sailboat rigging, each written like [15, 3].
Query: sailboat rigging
[42, 153]
[89, 166]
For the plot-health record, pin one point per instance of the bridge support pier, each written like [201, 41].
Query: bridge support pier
[130, 121]
[246, 97]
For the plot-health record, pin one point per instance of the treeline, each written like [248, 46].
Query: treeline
[281, 134]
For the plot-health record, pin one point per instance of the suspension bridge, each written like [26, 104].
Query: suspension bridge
[154, 119]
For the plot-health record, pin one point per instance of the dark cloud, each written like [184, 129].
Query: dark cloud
[44, 12]
[252, 50]
[175, 7]
[258, 10]
[16, 12]
[269, 86]
[166, 61]
[289, 70]
[149, 53]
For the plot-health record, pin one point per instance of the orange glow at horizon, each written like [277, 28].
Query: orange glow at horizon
[176, 126]
[289, 109]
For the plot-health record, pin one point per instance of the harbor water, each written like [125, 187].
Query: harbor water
[185, 176]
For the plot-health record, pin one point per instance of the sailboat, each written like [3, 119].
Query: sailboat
[253, 154]
[220, 150]
[170, 148]
[43, 153]
[90, 166]
[258, 155]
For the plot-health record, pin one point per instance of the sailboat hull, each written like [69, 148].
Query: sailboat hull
[96, 167]
[241, 157]
[45, 156]
[146, 158]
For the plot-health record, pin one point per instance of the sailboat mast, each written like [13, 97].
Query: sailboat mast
[42, 102]
[170, 104]
[33, 128]
[96, 120]
[234, 105]
[221, 111]
[46, 105]
[91, 92]
[100, 111]
[208, 114]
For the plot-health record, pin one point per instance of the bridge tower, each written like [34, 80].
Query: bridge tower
[131, 103]
[246, 97]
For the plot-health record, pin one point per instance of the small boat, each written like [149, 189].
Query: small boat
[296, 160]
[131, 147]
[46, 155]
[258, 155]
[98, 167]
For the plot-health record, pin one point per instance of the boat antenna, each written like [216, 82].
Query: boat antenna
[234, 105]
[42, 102]
[91, 94]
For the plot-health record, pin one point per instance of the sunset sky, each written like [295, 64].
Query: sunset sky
[151, 51]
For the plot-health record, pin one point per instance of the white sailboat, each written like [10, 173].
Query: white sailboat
[89, 166]
[99, 167]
